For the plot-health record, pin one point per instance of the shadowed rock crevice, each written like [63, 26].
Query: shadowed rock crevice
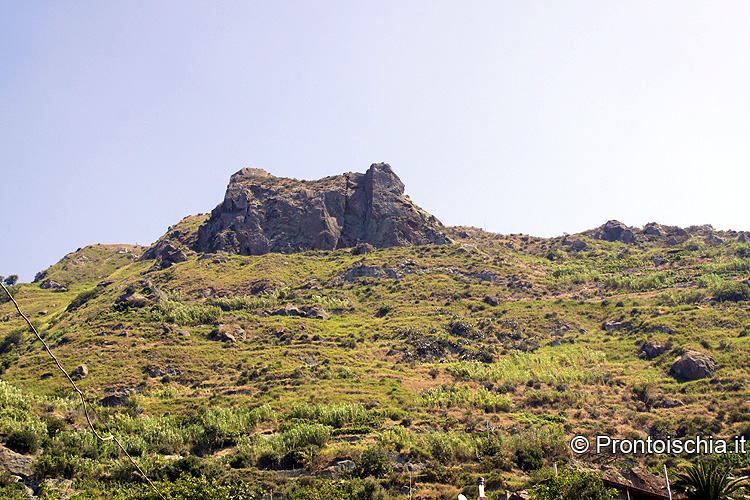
[262, 213]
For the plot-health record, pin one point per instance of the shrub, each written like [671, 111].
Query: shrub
[82, 298]
[23, 441]
[373, 462]
[573, 486]
[529, 458]
[731, 291]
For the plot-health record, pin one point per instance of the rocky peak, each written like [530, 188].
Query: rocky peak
[262, 213]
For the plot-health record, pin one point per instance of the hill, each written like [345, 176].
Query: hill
[441, 363]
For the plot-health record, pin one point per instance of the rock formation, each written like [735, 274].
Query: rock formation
[262, 213]
[693, 365]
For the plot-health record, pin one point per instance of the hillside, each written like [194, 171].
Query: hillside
[482, 357]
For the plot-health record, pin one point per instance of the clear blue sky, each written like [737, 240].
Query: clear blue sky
[119, 118]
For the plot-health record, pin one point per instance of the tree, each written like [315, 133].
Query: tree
[569, 485]
[11, 280]
[709, 480]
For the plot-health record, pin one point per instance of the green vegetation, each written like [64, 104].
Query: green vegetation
[443, 363]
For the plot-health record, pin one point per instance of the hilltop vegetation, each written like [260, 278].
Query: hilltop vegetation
[428, 365]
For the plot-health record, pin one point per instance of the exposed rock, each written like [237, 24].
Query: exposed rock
[262, 213]
[576, 245]
[16, 464]
[672, 241]
[120, 397]
[166, 252]
[228, 333]
[743, 238]
[287, 310]
[362, 249]
[60, 488]
[714, 240]
[672, 403]
[43, 312]
[653, 349]
[693, 365]
[613, 326]
[39, 276]
[315, 312]
[132, 300]
[654, 229]
[80, 372]
[157, 295]
[105, 283]
[50, 284]
[615, 231]
[490, 300]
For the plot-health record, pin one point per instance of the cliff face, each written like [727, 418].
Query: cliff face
[262, 213]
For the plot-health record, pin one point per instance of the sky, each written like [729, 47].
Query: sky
[119, 118]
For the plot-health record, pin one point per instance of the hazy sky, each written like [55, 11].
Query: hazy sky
[119, 118]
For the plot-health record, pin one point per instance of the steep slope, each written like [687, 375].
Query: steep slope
[460, 360]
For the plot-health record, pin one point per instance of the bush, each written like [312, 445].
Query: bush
[26, 441]
[573, 486]
[373, 462]
[82, 298]
[731, 291]
[528, 458]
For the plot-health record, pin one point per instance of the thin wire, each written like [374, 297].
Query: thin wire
[111, 437]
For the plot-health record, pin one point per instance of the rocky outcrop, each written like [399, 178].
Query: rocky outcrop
[262, 213]
[615, 231]
[693, 365]
[653, 349]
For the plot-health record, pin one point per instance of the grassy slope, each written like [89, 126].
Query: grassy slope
[413, 346]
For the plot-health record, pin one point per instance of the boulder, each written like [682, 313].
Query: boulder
[672, 403]
[228, 333]
[613, 326]
[132, 300]
[80, 372]
[653, 229]
[50, 284]
[16, 464]
[315, 312]
[693, 365]
[615, 231]
[653, 349]
[743, 238]
[262, 213]
[120, 397]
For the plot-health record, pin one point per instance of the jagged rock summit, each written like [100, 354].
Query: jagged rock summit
[262, 213]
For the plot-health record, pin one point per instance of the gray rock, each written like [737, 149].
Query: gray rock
[262, 213]
[653, 349]
[315, 312]
[672, 403]
[50, 284]
[693, 365]
[613, 326]
[120, 397]
[616, 231]
[80, 372]
[157, 295]
[61, 488]
[654, 229]
[132, 300]
[228, 333]
[16, 464]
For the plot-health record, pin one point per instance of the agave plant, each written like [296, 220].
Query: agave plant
[711, 481]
